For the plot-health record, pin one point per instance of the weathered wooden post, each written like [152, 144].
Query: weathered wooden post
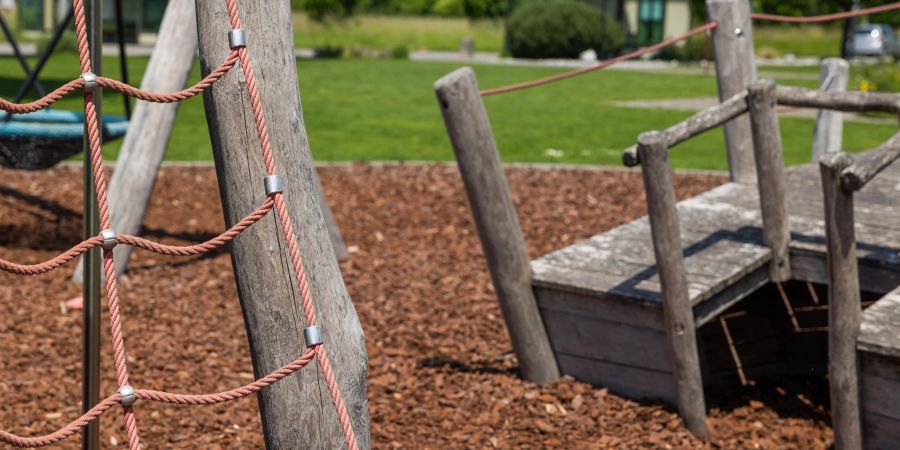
[770, 171]
[495, 217]
[296, 412]
[677, 310]
[151, 126]
[829, 129]
[845, 312]
[735, 69]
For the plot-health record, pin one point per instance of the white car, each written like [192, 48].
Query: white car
[875, 40]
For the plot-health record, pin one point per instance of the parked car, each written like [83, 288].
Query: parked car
[875, 40]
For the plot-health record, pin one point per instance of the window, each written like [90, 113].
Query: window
[651, 14]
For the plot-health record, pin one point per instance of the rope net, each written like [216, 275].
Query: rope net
[274, 201]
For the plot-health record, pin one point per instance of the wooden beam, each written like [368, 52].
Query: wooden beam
[829, 131]
[735, 69]
[844, 312]
[498, 225]
[855, 101]
[151, 126]
[770, 171]
[869, 164]
[677, 311]
[698, 123]
[297, 411]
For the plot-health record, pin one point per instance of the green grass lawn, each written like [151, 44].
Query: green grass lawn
[800, 40]
[388, 32]
[364, 110]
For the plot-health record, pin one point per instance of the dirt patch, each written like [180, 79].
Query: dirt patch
[442, 374]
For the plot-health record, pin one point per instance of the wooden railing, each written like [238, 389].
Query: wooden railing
[842, 176]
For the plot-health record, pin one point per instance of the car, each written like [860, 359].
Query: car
[875, 40]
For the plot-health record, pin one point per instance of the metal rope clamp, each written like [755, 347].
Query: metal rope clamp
[128, 395]
[90, 81]
[109, 239]
[274, 185]
[313, 336]
[237, 39]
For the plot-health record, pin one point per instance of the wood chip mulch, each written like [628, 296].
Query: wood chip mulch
[442, 373]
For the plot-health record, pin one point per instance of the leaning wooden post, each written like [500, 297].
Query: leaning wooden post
[770, 170]
[735, 69]
[677, 310]
[829, 129]
[151, 126]
[297, 411]
[495, 217]
[845, 311]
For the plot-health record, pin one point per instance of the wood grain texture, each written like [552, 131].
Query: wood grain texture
[867, 165]
[880, 395]
[677, 310]
[297, 411]
[735, 69]
[496, 220]
[151, 126]
[879, 332]
[829, 130]
[697, 124]
[855, 101]
[770, 172]
[844, 312]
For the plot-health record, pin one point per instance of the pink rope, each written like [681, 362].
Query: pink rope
[96, 160]
[826, 17]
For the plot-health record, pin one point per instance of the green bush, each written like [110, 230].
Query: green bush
[877, 77]
[561, 29]
[694, 49]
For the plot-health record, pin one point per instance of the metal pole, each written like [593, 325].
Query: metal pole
[33, 76]
[123, 57]
[92, 263]
[38, 89]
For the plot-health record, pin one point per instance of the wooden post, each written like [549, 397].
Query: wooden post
[495, 217]
[677, 310]
[770, 170]
[735, 69]
[844, 313]
[151, 126]
[829, 129]
[297, 411]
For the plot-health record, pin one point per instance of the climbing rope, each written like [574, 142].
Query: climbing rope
[672, 41]
[108, 239]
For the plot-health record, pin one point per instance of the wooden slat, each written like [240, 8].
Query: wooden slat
[880, 328]
[624, 380]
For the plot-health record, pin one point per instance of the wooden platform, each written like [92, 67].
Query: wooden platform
[600, 299]
[879, 359]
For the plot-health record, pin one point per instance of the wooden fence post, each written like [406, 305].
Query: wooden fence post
[498, 225]
[770, 170]
[297, 411]
[735, 69]
[677, 310]
[845, 312]
[829, 129]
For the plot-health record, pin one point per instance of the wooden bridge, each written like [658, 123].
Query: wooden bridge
[622, 309]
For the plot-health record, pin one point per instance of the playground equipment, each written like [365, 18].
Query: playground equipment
[42, 139]
[623, 309]
[279, 306]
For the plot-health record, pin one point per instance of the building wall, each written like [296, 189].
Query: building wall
[678, 18]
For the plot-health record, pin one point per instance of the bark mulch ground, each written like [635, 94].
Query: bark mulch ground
[442, 374]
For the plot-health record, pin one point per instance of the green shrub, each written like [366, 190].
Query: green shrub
[694, 49]
[320, 10]
[877, 77]
[561, 29]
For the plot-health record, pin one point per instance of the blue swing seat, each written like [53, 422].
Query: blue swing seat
[42, 139]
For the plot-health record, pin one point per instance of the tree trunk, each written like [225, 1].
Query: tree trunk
[296, 412]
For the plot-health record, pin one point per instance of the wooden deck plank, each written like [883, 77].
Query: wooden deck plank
[723, 247]
[880, 329]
